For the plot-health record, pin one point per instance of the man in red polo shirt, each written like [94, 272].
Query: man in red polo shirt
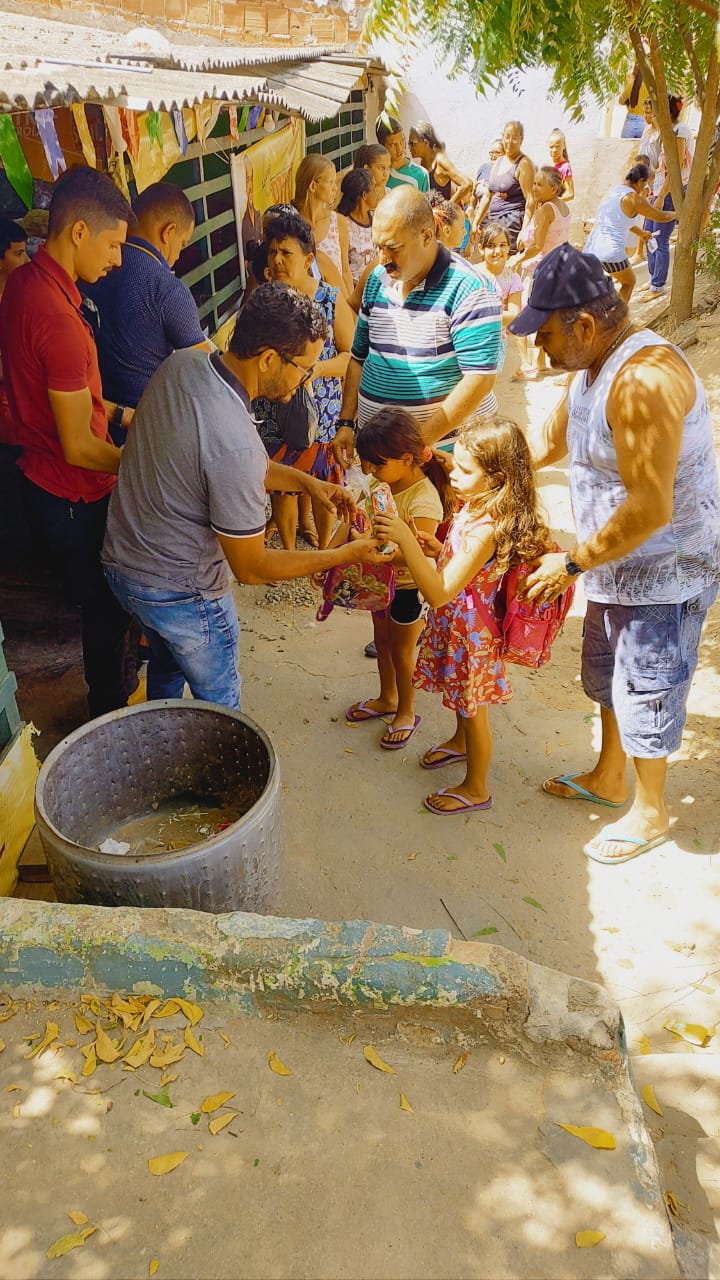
[55, 397]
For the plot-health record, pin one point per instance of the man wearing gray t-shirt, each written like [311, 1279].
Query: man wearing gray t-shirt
[190, 497]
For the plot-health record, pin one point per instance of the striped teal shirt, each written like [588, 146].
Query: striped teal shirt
[415, 351]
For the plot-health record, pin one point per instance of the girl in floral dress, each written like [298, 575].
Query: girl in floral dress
[498, 526]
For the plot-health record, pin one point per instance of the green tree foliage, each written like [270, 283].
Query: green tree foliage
[586, 45]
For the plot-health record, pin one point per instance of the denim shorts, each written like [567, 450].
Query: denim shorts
[191, 638]
[639, 660]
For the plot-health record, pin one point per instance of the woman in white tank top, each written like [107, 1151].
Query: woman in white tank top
[615, 214]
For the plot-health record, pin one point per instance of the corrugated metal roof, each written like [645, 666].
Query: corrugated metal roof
[53, 64]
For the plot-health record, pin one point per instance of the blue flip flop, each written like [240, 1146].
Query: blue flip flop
[637, 846]
[568, 780]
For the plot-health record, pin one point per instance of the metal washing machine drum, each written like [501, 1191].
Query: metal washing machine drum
[145, 757]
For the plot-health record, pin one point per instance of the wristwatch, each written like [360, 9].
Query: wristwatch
[118, 415]
[346, 422]
[571, 567]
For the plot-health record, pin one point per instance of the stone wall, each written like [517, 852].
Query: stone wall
[282, 23]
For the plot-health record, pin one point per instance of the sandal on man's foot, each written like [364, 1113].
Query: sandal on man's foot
[394, 739]
[579, 793]
[463, 806]
[634, 846]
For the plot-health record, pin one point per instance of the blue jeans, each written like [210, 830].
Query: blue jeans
[659, 259]
[633, 126]
[191, 638]
[639, 660]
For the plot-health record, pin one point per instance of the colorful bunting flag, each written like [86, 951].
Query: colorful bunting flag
[14, 162]
[182, 137]
[255, 117]
[83, 133]
[45, 124]
[154, 127]
[243, 121]
[130, 132]
[234, 131]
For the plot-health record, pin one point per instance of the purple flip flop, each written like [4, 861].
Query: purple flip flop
[407, 730]
[448, 757]
[466, 806]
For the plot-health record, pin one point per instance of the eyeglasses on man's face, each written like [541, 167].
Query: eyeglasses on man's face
[307, 374]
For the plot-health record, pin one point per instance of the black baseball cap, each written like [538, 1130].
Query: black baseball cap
[565, 278]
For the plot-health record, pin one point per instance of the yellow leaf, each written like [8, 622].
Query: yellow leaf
[89, 1231]
[166, 1057]
[105, 1048]
[140, 1052]
[693, 1032]
[93, 1003]
[276, 1065]
[404, 1104]
[214, 1102]
[73, 1240]
[648, 1097]
[2, 1045]
[351, 1038]
[376, 1061]
[586, 1239]
[219, 1122]
[674, 1205]
[13, 1088]
[459, 1063]
[165, 1164]
[154, 1266]
[168, 1077]
[78, 1217]
[225, 1039]
[644, 1045]
[90, 1061]
[192, 1012]
[67, 1075]
[9, 1011]
[193, 1044]
[599, 1138]
[169, 1008]
[51, 1033]
[150, 1010]
[16, 1111]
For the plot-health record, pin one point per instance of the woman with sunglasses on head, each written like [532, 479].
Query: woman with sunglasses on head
[290, 257]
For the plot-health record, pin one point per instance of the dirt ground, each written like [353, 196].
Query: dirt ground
[359, 844]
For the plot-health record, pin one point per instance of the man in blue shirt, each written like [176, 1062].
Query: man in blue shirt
[145, 312]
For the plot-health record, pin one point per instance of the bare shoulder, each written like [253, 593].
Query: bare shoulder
[650, 377]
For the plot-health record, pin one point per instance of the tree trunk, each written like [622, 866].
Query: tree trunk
[683, 276]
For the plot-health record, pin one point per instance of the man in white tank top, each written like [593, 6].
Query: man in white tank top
[646, 504]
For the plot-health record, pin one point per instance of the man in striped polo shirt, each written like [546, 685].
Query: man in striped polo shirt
[428, 333]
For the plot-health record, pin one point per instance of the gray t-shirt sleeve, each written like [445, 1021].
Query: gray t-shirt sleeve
[235, 480]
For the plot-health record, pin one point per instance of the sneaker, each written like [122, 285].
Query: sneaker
[371, 650]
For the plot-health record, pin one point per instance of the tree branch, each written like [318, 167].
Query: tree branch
[710, 10]
[695, 65]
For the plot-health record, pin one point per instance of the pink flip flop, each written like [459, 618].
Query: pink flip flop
[465, 806]
[448, 756]
[407, 730]
[359, 712]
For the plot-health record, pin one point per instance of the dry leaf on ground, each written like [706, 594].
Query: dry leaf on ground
[90, 1056]
[214, 1102]
[106, 1049]
[51, 1033]
[193, 1044]
[599, 1138]
[373, 1057]
[404, 1104]
[220, 1121]
[73, 1240]
[78, 1217]
[154, 1266]
[276, 1065]
[459, 1063]
[586, 1239]
[165, 1164]
[648, 1097]
[192, 1012]
[692, 1032]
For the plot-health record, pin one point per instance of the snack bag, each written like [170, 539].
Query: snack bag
[381, 502]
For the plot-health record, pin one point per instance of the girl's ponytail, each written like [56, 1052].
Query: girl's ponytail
[438, 475]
